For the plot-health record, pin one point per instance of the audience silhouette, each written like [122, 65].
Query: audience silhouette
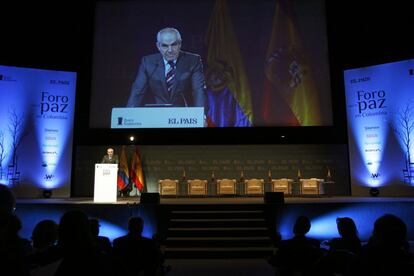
[13, 249]
[342, 251]
[74, 247]
[349, 240]
[139, 255]
[7, 200]
[80, 254]
[297, 255]
[44, 235]
[387, 252]
[103, 243]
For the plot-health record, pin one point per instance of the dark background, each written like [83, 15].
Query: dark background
[59, 36]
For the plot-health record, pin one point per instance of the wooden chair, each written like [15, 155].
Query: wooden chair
[168, 187]
[197, 187]
[226, 186]
[254, 186]
[311, 186]
[282, 185]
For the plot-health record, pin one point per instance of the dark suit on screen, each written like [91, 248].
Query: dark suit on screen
[150, 85]
[107, 160]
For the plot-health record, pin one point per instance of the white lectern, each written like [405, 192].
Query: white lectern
[105, 182]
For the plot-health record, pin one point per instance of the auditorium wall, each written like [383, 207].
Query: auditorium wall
[227, 161]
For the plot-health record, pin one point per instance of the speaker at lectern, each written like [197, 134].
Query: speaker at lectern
[105, 183]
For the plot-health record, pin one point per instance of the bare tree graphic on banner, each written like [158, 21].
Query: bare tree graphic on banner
[2, 154]
[403, 128]
[16, 130]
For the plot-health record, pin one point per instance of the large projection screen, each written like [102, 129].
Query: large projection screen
[265, 63]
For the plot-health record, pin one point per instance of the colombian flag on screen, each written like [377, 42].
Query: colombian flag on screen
[228, 89]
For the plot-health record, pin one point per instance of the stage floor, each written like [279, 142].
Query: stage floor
[218, 200]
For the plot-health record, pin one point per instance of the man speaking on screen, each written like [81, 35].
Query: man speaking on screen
[169, 78]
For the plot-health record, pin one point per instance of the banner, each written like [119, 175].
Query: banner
[36, 128]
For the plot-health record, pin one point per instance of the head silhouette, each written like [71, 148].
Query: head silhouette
[44, 234]
[94, 225]
[302, 226]
[7, 200]
[135, 225]
[390, 231]
[346, 227]
[74, 230]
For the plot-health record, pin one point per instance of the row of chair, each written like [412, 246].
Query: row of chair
[253, 186]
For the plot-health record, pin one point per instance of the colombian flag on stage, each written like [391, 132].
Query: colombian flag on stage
[228, 89]
[290, 95]
[123, 171]
[137, 176]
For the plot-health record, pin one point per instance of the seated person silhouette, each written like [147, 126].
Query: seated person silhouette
[387, 252]
[349, 240]
[103, 243]
[343, 250]
[80, 255]
[135, 249]
[13, 248]
[298, 254]
[7, 200]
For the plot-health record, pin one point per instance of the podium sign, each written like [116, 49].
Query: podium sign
[105, 183]
[157, 117]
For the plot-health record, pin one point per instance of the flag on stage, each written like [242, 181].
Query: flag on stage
[123, 171]
[137, 175]
[290, 96]
[228, 90]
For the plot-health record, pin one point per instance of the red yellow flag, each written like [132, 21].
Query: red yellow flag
[137, 175]
[123, 172]
[290, 94]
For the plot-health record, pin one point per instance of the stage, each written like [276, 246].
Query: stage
[219, 200]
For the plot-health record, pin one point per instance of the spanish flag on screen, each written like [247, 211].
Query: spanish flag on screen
[137, 176]
[123, 173]
[228, 89]
[290, 95]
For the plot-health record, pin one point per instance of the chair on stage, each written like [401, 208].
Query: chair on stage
[168, 187]
[283, 185]
[311, 186]
[226, 186]
[254, 186]
[408, 173]
[197, 187]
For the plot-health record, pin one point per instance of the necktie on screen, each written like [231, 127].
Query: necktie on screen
[170, 78]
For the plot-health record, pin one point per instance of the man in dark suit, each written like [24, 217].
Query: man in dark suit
[110, 157]
[171, 77]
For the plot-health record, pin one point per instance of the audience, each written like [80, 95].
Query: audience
[103, 243]
[342, 251]
[80, 255]
[7, 200]
[74, 247]
[44, 235]
[297, 255]
[13, 249]
[349, 240]
[387, 252]
[139, 255]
